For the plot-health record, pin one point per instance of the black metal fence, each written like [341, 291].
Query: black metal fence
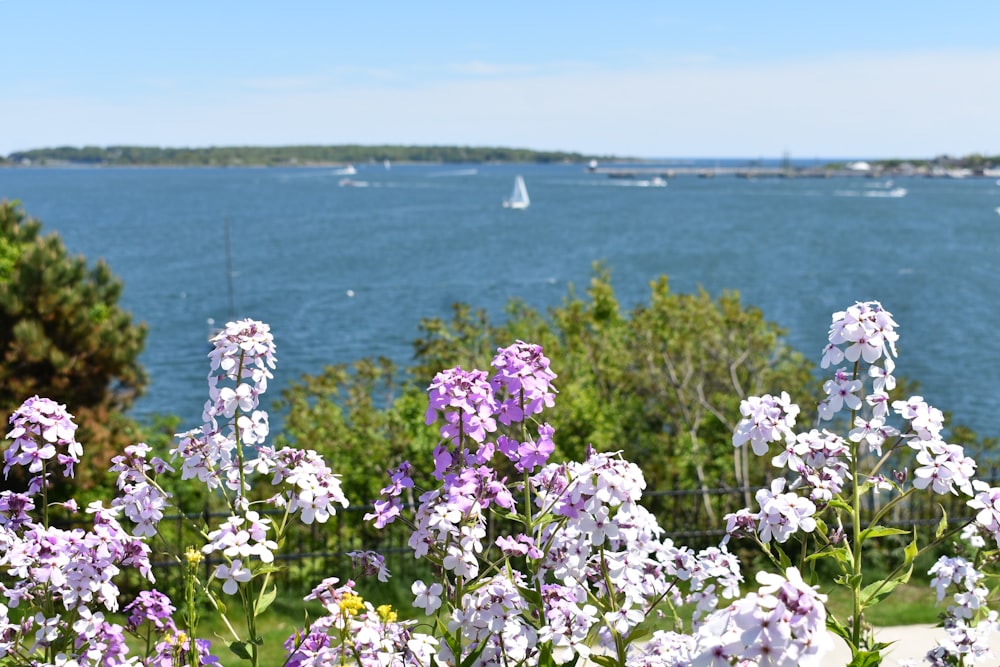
[694, 517]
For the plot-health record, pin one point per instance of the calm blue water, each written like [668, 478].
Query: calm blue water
[419, 238]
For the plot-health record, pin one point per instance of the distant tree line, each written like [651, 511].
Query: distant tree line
[286, 155]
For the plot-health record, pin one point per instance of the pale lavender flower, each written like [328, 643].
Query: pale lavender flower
[987, 504]
[883, 379]
[243, 537]
[840, 392]
[926, 422]
[867, 330]
[244, 349]
[142, 502]
[782, 625]
[766, 419]
[782, 514]
[232, 575]
[427, 597]
[41, 430]
[873, 431]
[311, 487]
[944, 467]
[15, 510]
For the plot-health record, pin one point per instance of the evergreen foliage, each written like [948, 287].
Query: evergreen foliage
[63, 336]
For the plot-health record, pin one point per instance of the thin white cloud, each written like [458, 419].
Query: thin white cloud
[478, 68]
[877, 105]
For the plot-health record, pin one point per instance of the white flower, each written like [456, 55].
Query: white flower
[428, 597]
[233, 576]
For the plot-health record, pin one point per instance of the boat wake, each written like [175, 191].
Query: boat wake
[453, 173]
[894, 193]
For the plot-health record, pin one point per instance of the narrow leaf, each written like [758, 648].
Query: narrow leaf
[881, 531]
[942, 526]
[265, 601]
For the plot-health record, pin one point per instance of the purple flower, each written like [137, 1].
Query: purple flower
[522, 371]
[369, 564]
[467, 402]
[152, 606]
[39, 428]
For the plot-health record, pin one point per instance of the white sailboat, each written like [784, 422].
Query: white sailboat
[519, 197]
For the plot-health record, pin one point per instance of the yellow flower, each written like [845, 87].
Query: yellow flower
[193, 556]
[386, 613]
[351, 604]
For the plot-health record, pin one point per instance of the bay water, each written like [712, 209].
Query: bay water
[345, 272]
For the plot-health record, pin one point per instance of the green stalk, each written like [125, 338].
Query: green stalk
[856, 536]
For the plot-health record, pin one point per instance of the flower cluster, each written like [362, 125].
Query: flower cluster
[563, 564]
[825, 472]
[965, 642]
[766, 419]
[142, 500]
[783, 624]
[523, 372]
[69, 573]
[41, 430]
[311, 488]
[592, 554]
[75, 569]
[355, 632]
[229, 448]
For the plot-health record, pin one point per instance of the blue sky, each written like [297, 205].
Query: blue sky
[649, 79]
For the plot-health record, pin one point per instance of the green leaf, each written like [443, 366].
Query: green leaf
[266, 569]
[911, 550]
[604, 660]
[851, 581]
[866, 659]
[783, 558]
[473, 658]
[838, 503]
[838, 628]
[878, 590]
[531, 596]
[841, 554]
[942, 526]
[240, 649]
[265, 601]
[881, 531]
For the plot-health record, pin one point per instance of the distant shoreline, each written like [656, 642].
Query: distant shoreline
[288, 156]
[343, 156]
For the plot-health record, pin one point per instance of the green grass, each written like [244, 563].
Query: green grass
[907, 605]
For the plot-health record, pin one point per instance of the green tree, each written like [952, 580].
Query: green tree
[662, 383]
[63, 336]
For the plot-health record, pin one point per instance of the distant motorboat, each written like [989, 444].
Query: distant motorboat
[519, 197]
[894, 192]
[349, 170]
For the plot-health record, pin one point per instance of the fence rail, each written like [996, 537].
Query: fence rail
[310, 553]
